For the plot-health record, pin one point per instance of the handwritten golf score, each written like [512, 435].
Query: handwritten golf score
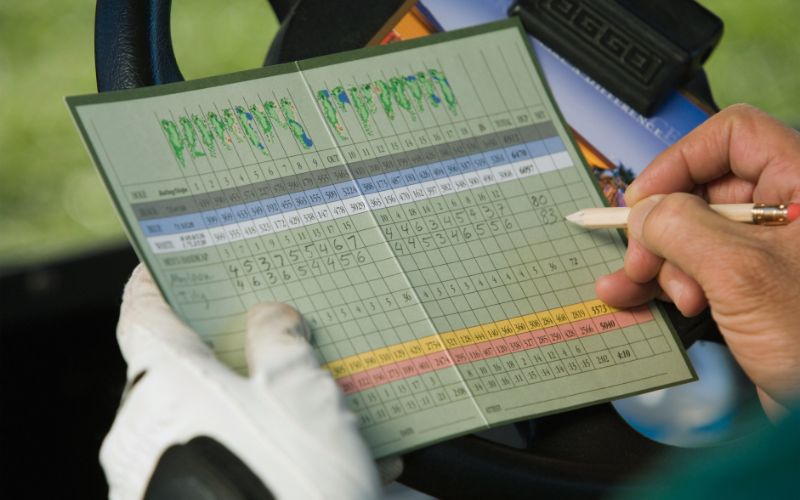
[409, 200]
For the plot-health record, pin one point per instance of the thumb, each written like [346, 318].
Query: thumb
[683, 230]
[284, 368]
[149, 329]
[282, 362]
[277, 339]
[283, 365]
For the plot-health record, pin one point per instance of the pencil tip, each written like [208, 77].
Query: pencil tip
[576, 218]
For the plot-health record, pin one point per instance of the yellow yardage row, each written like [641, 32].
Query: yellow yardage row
[467, 336]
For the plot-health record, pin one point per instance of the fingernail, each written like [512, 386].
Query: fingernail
[639, 213]
[630, 194]
[675, 289]
[277, 317]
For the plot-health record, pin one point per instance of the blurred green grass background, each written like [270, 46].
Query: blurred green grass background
[51, 199]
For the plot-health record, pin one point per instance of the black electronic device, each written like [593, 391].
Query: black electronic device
[639, 50]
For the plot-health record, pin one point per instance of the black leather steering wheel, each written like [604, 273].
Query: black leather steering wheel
[587, 452]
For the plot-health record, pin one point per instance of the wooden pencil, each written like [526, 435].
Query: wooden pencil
[617, 217]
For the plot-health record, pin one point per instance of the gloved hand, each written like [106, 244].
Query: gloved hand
[286, 423]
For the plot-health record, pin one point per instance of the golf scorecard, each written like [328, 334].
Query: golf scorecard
[409, 201]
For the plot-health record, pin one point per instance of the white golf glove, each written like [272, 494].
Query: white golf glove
[287, 423]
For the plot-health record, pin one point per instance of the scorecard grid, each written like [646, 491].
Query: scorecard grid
[425, 245]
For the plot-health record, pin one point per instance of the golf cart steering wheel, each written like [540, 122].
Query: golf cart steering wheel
[586, 452]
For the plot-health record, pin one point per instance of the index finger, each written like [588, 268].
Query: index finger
[148, 326]
[739, 140]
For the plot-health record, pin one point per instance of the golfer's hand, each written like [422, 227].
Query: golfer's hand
[682, 251]
[287, 422]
